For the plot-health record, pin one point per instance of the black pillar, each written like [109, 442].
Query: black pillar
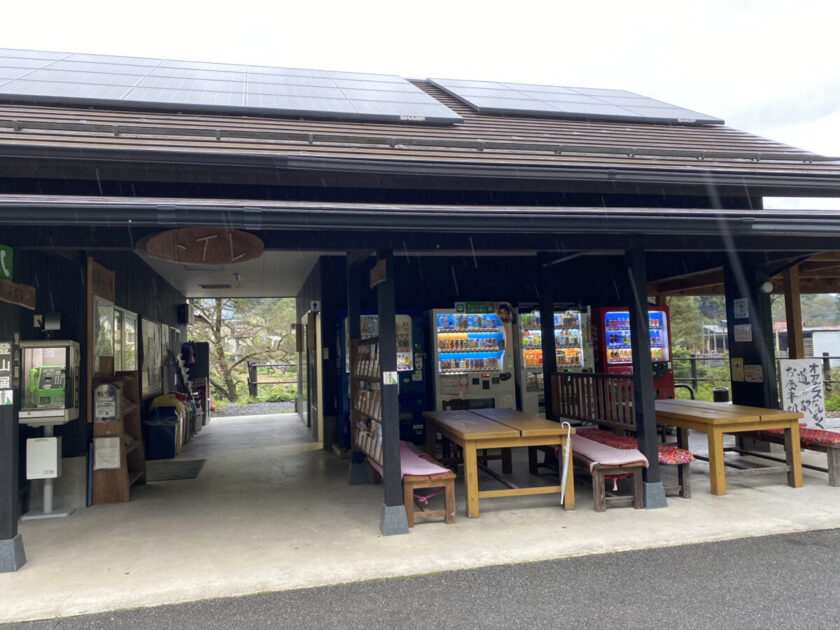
[549, 351]
[393, 515]
[750, 329]
[12, 556]
[359, 472]
[643, 375]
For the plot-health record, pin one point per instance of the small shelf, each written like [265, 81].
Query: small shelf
[367, 415]
[370, 341]
[470, 351]
[455, 331]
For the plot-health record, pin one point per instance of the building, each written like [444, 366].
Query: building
[465, 193]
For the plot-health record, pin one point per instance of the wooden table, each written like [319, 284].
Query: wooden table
[715, 419]
[497, 428]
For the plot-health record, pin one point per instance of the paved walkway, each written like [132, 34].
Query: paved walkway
[270, 511]
[786, 581]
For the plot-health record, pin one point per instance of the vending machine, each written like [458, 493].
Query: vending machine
[573, 348]
[410, 330]
[472, 356]
[611, 336]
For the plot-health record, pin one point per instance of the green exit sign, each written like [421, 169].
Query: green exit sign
[5, 262]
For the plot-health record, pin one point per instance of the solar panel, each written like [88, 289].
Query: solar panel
[34, 76]
[566, 102]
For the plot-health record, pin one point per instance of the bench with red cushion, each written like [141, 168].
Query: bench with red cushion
[604, 460]
[819, 440]
[668, 455]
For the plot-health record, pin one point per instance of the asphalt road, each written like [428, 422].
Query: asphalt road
[789, 581]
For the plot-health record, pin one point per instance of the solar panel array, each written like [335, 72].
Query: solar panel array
[564, 102]
[33, 76]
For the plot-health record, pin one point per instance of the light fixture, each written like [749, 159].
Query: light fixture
[766, 287]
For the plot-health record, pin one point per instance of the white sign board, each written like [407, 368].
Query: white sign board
[802, 390]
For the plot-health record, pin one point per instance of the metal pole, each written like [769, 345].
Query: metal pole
[393, 516]
[827, 373]
[693, 363]
[252, 379]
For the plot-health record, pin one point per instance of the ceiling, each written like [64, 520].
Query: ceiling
[274, 274]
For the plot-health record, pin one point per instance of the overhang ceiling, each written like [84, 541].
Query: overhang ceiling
[274, 274]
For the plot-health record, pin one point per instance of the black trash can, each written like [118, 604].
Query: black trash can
[159, 433]
[720, 394]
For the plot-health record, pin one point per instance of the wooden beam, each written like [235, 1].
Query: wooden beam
[793, 314]
[697, 281]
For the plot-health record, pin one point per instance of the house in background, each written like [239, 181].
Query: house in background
[819, 341]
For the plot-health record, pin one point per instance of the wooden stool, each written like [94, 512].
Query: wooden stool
[412, 483]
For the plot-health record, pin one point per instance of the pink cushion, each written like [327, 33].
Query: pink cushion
[667, 453]
[605, 455]
[412, 465]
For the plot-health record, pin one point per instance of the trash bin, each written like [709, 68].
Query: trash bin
[159, 430]
[720, 394]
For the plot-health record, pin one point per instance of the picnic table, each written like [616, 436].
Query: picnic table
[497, 428]
[715, 419]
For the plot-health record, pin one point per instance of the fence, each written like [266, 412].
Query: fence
[254, 381]
[595, 397]
[719, 361]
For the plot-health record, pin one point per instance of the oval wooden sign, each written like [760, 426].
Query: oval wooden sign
[204, 246]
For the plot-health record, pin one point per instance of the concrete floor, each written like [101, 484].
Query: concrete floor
[271, 511]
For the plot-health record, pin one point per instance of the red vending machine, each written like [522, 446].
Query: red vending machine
[613, 352]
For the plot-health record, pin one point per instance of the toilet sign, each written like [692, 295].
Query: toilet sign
[5, 262]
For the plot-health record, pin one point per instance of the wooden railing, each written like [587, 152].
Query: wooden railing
[597, 398]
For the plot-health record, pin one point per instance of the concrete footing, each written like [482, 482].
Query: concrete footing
[655, 495]
[12, 556]
[393, 520]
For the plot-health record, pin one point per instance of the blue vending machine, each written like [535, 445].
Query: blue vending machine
[411, 359]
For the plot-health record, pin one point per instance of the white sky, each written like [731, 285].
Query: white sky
[770, 67]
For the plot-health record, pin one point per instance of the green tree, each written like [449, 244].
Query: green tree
[240, 330]
[686, 323]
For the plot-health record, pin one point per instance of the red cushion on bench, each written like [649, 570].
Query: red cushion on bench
[812, 436]
[667, 453]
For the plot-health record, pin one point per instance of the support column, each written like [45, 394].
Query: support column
[644, 397]
[359, 472]
[393, 512]
[793, 314]
[12, 556]
[549, 351]
[750, 329]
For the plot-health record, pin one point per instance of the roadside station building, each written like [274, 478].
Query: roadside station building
[466, 190]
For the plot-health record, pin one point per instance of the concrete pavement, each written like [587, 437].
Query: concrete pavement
[784, 581]
[270, 511]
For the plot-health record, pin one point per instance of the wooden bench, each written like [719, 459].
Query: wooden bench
[420, 471]
[606, 401]
[604, 461]
[818, 440]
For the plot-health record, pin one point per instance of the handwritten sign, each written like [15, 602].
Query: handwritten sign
[802, 390]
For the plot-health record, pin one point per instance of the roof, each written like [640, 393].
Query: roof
[517, 146]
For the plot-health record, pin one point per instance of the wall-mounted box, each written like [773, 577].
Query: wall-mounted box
[43, 458]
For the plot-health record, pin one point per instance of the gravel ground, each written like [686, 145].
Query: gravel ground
[255, 409]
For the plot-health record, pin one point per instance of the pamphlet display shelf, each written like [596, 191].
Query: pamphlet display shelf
[112, 484]
[365, 395]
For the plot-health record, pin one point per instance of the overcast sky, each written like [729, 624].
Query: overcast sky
[770, 67]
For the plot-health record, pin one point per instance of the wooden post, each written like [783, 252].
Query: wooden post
[793, 314]
[359, 473]
[549, 352]
[12, 556]
[750, 328]
[643, 406]
[827, 374]
[394, 520]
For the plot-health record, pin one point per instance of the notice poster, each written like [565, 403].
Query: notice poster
[737, 367]
[753, 373]
[106, 453]
[802, 390]
[743, 332]
[454, 386]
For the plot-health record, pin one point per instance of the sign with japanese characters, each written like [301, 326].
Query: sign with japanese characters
[802, 390]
